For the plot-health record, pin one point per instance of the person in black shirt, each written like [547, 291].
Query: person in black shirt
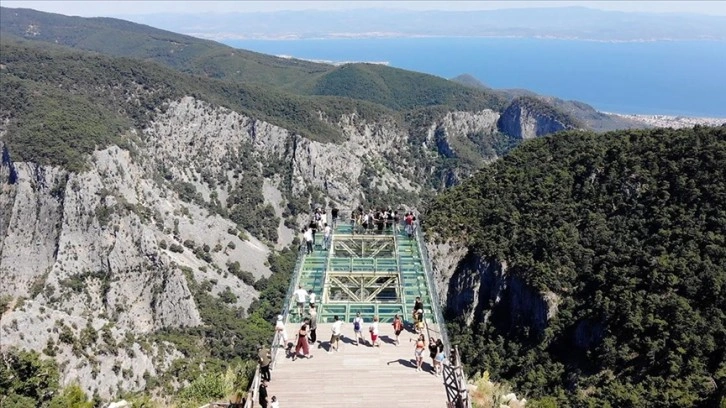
[263, 394]
[334, 215]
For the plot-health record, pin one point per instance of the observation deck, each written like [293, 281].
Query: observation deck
[374, 273]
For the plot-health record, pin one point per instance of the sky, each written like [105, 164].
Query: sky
[124, 8]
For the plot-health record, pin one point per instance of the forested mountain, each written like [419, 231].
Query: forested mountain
[395, 88]
[593, 268]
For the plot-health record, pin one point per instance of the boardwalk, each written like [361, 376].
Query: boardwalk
[357, 376]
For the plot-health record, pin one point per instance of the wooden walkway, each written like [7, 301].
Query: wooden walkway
[356, 376]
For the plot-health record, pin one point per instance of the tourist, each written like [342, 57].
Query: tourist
[433, 351]
[353, 218]
[418, 351]
[264, 359]
[311, 298]
[440, 357]
[327, 235]
[300, 295]
[302, 342]
[358, 329]
[281, 333]
[335, 337]
[313, 324]
[309, 239]
[334, 215]
[373, 329]
[274, 403]
[397, 327]
[262, 394]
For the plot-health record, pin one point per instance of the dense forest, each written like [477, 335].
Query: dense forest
[628, 231]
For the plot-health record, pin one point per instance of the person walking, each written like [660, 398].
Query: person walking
[309, 238]
[300, 295]
[311, 298]
[358, 329]
[373, 329]
[313, 324]
[335, 336]
[397, 327]
[302, 342]
[264, 358]
[274, 403]
[418, 351]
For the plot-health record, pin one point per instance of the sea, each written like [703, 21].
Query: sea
[680, 78]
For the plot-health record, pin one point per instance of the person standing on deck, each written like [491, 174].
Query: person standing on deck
[281, 333]
[440, 357]
[302, 342]
[418, 352]
[334, 215]
[335, 337]
[264, 359]
[300, 294]
[397, 327]
[373, 329]
[313, 324]
[327, 235]
[275, 403]
[433, 351]
[353, 219]
[263, 399]
[358, 329]
[417, 312]
[309, 239]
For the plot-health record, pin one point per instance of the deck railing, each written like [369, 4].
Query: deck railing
[252, 392]
[451, 351]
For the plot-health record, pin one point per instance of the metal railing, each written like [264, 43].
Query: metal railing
[454, 357]
[252, 392]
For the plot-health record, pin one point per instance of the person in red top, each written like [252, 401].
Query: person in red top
[397, 327]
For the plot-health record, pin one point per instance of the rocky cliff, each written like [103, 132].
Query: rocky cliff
[529, 117]
[480, 289]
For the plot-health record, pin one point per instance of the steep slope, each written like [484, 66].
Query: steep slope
[528, 118]
[590, 269]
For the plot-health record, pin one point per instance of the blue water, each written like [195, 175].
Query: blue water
[666, 77]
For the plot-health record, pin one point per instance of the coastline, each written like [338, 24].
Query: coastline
[671, 121]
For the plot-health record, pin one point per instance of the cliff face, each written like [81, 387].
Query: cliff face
[481, 290]
[528, 118]
[113, 247]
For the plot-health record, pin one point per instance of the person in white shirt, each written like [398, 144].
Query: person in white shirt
[358, 329]
[308, 236]
[300, 294]
[373, 329]
[335, 338]
[327, 235]
[311, 298]
[274, 403]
